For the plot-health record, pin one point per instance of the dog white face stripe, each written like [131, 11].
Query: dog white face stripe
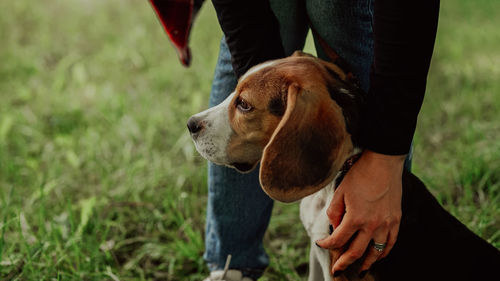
[212, 143]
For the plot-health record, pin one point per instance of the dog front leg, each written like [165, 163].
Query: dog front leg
[315, 271]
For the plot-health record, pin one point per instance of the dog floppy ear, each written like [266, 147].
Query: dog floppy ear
[307, 148]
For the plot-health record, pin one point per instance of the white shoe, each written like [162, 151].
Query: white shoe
[230, 275]
[227, 274]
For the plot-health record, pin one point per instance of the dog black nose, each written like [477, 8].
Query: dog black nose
[194, 126]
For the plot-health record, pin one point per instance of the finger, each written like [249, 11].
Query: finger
[336, 210]
[356, 250]
[372, 254]
[391, 240]
[340, 235]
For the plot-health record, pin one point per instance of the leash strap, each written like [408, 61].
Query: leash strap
[333, 56]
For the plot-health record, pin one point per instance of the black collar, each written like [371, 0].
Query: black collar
[345, 168]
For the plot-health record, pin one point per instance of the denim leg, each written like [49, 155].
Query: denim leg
[346, 25]
[224, 81]
[293, 23]
[238, 211]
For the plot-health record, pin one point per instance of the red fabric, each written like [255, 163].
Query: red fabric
[176, 17]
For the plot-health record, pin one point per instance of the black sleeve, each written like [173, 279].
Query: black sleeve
[251, 30]
[404, 35]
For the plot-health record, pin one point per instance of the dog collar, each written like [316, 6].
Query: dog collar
[345, 168]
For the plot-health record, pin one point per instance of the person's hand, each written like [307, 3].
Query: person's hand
[367, 204]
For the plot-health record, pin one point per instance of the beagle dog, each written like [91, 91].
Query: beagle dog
[298, 117]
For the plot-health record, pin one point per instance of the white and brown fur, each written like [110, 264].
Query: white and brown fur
[301, 127]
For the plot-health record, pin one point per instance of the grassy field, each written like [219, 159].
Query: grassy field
[99, 179]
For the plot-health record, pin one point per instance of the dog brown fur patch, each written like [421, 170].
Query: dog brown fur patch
[308, 145]
[301, 156]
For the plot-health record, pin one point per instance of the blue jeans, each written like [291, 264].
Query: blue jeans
[238, 211]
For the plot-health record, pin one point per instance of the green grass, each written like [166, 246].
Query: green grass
[99, 179]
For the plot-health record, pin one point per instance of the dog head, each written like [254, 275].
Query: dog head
[298, 116]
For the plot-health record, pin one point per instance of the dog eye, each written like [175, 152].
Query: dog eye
[243, 106]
